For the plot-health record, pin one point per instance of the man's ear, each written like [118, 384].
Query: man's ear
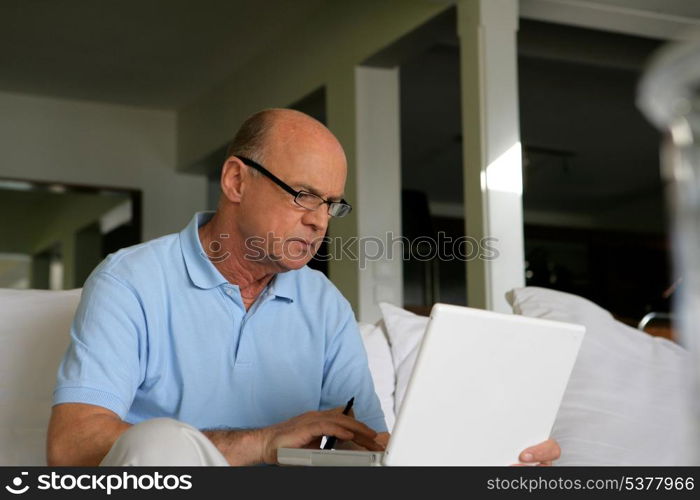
[232, 175]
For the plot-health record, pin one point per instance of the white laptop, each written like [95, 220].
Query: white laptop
[485, 386]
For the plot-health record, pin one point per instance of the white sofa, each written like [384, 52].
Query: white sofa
[626, 402]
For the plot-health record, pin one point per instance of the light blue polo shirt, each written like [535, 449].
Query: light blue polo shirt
[159, 332]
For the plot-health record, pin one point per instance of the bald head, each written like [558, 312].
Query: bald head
[280, 128]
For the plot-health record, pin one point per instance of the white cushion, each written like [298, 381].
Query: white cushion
[34, 334]
[381, 367]
[405, 331]
[628, 398]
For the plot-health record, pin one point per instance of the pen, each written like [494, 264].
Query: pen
[330, 440]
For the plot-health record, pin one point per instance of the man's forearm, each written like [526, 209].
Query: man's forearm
[239, 447]
[81, 439]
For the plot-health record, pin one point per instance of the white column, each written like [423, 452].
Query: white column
[378, 189]
[492, 152]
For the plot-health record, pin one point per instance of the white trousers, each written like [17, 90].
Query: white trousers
[163, 442]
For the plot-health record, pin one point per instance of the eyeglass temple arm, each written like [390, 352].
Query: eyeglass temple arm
[268, 174]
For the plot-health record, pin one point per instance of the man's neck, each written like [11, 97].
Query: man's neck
[228, 256]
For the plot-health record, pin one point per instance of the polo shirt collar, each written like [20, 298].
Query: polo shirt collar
[205, 275]
[283, 286]
[202, 272]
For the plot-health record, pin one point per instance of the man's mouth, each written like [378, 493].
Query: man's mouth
[306, 243]
[309, 241]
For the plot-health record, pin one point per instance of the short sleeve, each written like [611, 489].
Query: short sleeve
[347, 375]
[102, 364]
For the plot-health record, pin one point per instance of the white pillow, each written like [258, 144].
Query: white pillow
[628, 398]
[381, 367]
[405, 331]
[34, 334]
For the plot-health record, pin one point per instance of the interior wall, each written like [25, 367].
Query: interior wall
[79, 142]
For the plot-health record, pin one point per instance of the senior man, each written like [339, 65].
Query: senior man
[217, 345]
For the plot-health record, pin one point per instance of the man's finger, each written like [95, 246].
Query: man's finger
[383, 439]
[325, 428]
[314, 444]
[332, 429]
[367, 443]
[544, 452]
[354, 425]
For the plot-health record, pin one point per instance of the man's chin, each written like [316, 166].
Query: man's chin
[291, 264]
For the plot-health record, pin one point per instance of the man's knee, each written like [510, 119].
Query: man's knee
[155, 432]
[161, 442]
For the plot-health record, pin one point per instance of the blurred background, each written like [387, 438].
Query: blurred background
[114, 118]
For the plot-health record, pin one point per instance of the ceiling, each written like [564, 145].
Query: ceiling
[680, 8]
[165, 53]
[154, 53]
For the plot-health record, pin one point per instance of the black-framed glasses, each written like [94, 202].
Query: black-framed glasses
[304, 199]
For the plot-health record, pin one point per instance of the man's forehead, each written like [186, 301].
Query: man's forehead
[291, 132]
[306, 155]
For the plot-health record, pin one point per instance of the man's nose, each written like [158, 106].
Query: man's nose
[317, 218]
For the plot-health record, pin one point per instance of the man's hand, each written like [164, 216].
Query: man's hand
[382, 440]
[541, 454]
[308, 428]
